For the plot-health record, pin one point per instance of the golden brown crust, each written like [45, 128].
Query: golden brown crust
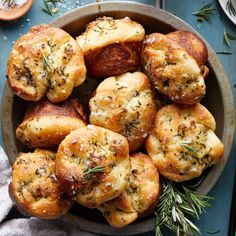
[111, 47]
[93, 147]
[45, 61]
[46, 124]
[172, 70]
[113, 59]
[183, 143]
[139, 198]
[192, 44]
[124, 104]
[35, 188]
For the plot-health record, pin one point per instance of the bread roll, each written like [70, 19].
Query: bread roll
[172, 70]
[93, 165]
[111, 47]
[124, 104]
[192, 44]
[183, 143]
[35, 188]
[45, 61]
[46, 124]
[139, 198]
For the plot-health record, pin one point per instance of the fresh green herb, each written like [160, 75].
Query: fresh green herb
[224, 52]
[214, 232]
[96, 169]
[228, 37]
[204, 12]
[47, 65]
[55, 1]
[176, 205]
[130, 126]
[230, 8]
[188, 148]
[50, 6]
[47, 8]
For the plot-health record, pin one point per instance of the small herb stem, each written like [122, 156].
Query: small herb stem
[230, 7]
[176, 203]
[214, 232]
[224, 52]
[204, 12]
[96, 169]
[50, 6]
[228, 37]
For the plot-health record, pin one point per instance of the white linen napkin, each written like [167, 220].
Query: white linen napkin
[30, 226]
[5, 176]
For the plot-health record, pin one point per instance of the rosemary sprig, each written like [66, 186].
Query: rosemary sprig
[230, 8]
[204, 12]
[47, 65]
[47, 8]
[228, 37]
[188, 148]
[176, 205]
[50, 6]
[96, 169]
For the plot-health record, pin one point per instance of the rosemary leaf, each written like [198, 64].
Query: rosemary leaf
[176, 204]
[50, 6]
[230, 7]
[228, 37]
[96, 169]
[224, 52]
[47, 8]
[204, 12]
[214, 232]
[47, 65]
[55, 1]
[188, 148]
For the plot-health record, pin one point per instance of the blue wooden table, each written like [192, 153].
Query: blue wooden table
[218, 216]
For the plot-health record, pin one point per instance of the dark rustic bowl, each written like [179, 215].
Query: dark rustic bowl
[218, 99]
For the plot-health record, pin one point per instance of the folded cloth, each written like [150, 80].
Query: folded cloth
[30, 226]
[5, 176]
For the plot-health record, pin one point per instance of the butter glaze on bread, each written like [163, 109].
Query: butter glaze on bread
[88, 148]
[111, 47]
[139, 198]
[124, 104]
[172, 70]
[46, 124]
[35, 188]
[45, 61]
[183, 143]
